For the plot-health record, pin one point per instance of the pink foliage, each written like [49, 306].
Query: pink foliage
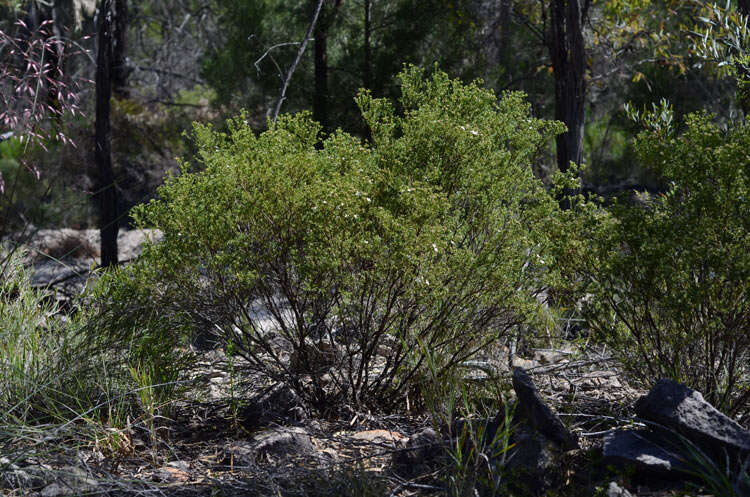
[35, 92]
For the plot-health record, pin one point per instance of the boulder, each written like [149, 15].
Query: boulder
[644, 451]
[681, 409]
[538, 414]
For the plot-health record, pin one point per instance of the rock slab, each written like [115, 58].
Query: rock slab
[682, 409]
[538, 414]
[644, 451]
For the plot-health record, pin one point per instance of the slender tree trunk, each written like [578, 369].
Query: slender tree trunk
[506, 9]
[119, 49]
[106, 192]
[320, 98]
[321, 95]
[367, 63]
[567, 51]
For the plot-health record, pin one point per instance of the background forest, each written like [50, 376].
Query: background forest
[261, 247]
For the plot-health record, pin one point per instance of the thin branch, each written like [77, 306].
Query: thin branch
[282, 92]
[268, 52]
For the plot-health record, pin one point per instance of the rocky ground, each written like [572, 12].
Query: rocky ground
[578, 429]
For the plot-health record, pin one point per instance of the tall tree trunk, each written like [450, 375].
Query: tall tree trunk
[367, 63]
[567, 52]
[106, 192]
[506, 11]
[119, 49]
[320, 98]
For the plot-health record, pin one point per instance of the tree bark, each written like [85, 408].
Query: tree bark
[367, 63]
[320, 97]
[106, 192]
[567, 52]
[120, 70]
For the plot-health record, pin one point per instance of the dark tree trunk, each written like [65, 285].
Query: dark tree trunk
[120, 70]
[106, 192]
[745, 7]
[567, 52]
[320, 98]
[367, 64]
[39, 14]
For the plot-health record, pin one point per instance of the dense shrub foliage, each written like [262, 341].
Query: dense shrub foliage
[668, 277]
[329, 264]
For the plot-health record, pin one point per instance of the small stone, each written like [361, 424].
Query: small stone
[615, 490]
[381, 436]
[423, 448]
[282, 443]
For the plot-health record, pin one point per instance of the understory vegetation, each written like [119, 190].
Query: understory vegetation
[375, 276]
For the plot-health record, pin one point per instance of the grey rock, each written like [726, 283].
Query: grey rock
[615, 490]
[20, 479]
[238, 454]
[531, 461]
[70, 482]
[423, 448]
[282, 442]
[683, 410]
[644, 451]
[538, 414]
[279, 405]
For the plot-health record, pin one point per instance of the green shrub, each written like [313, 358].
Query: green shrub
[668, 276]
[324, 263]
